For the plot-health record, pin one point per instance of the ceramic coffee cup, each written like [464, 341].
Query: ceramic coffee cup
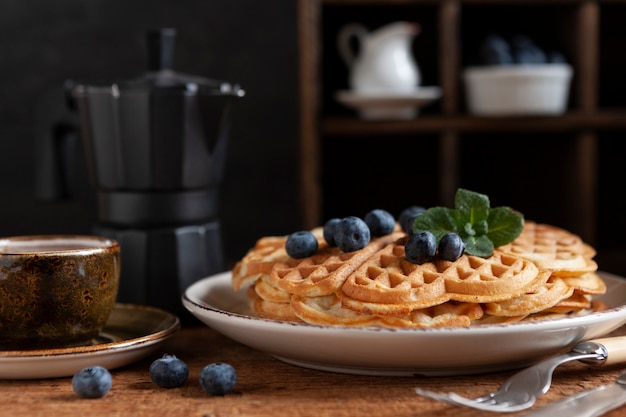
[56, 291]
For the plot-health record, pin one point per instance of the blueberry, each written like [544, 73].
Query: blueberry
[451, 247]
[329, 231]
[218, 378]
[92, 382]
[301, 244]
[526, 52]
[555, 57]
[495, 50]
[420, 247]
[380, 222]
[169, 371]
[352, 234]
[407, 218]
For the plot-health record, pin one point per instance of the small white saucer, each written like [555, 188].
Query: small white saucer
[131, 333]
[388, 105]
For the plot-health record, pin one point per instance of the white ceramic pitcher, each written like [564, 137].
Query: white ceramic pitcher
[385, 62]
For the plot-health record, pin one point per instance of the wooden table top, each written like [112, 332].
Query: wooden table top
[268, 387]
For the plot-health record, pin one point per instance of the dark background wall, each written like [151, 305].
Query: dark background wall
[249, 42]
[253, 43]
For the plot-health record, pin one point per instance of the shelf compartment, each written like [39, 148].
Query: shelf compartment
[334, 72]
[612, 88]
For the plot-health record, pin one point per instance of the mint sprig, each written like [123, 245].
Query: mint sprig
[481, 227]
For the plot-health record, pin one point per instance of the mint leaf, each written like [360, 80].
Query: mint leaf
[505, 224]
[479, 246]
[437, 220]
[472, 207]
[481, 227]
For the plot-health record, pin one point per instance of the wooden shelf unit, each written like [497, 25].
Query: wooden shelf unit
[451, 29]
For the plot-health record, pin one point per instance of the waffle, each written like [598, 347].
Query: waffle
[589, 283]
[389, 278]
[259, 261]
[553, 249]
[448, 314]
[538, 300]
[329, 310]
[268, 292]
[324, 272]
[573, 303]
[547, 272]
[270, 309]
[388, 284]
[261, 258]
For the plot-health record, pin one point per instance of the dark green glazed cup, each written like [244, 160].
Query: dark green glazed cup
[56, 291]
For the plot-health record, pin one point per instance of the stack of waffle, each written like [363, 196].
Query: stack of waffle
[546, 272]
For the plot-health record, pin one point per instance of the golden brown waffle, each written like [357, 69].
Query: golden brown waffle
[388, 284]
[269, 309]
[568, 308]
[328, 310]
[324, 272]
[553, 249]
[479, 280]
[541, 298]
[268, 292]
[589, 283]
[546, 273]
[448, 314]
[260, 259]
[573, 303]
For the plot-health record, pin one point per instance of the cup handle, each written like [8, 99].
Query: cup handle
[352, 30]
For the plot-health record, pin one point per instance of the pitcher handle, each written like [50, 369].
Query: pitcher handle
[352, 30]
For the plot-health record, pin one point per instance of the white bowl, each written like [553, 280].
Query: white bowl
[517, 89]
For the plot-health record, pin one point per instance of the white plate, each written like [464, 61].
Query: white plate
[385, 351]
[131, 333]
[378, 106]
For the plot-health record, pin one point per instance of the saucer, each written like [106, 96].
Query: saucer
[131, 333]
[388, 105]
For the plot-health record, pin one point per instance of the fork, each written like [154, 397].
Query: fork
[521, 390]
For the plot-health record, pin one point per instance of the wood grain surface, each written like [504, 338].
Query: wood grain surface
[268, 387]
